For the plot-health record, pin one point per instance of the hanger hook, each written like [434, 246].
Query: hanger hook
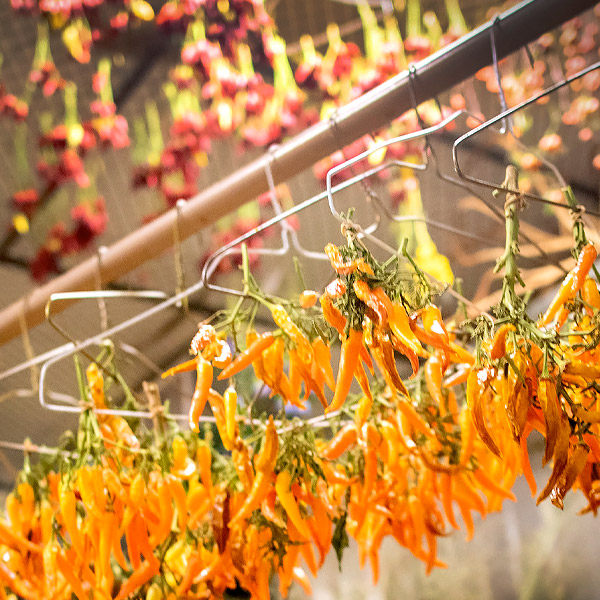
[473, 132]
[412, 77]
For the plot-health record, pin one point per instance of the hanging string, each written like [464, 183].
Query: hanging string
[27, 345]
[178, 257]
[102, 308]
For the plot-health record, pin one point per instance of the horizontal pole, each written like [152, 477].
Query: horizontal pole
[373, 110]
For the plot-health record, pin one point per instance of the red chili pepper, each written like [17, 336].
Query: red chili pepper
[241, 361]
[349, 357]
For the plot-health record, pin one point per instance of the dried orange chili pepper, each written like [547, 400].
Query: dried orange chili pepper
[323, 361]
[487, 483]
[497, 348]
[144, 573]
[179, 496]
[332, 314]
[267, 507]
[264, 464]
[342, 440]
[243, 360]
[204, 380]
[571, 284]
[525, 463]
[230, 402]
[16, 540]
[365, 294]
[343, 267]
[549, 403]
[288, 502]
[242, 463]
[308, 298]
[188, 365]
[67, 570]
[590, 295]
[577, 461]
[478, 392]
[433, 380]
[284, 321]
[349, 357]
[434, 325]
[309, 383]
[561, 455]
[68, 511]
[459, 376]
[400, 325]
[468, 435]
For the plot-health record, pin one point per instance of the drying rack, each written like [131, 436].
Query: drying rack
[449, 66]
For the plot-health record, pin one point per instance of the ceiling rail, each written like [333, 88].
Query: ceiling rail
[449, 66]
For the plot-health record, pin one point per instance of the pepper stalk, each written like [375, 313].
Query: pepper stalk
[512, 206]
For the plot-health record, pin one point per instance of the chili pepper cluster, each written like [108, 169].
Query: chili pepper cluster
[424, 429]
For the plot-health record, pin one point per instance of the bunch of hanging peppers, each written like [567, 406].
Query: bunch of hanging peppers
[424, 428]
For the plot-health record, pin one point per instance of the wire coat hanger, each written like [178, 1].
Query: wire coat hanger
[462, 139]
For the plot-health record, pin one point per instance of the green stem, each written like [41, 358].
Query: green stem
[419, 272]
[512, 206]
[578, 229]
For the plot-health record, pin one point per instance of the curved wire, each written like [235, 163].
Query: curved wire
[500, 117]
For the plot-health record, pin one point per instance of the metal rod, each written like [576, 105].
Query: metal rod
[440, 71]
